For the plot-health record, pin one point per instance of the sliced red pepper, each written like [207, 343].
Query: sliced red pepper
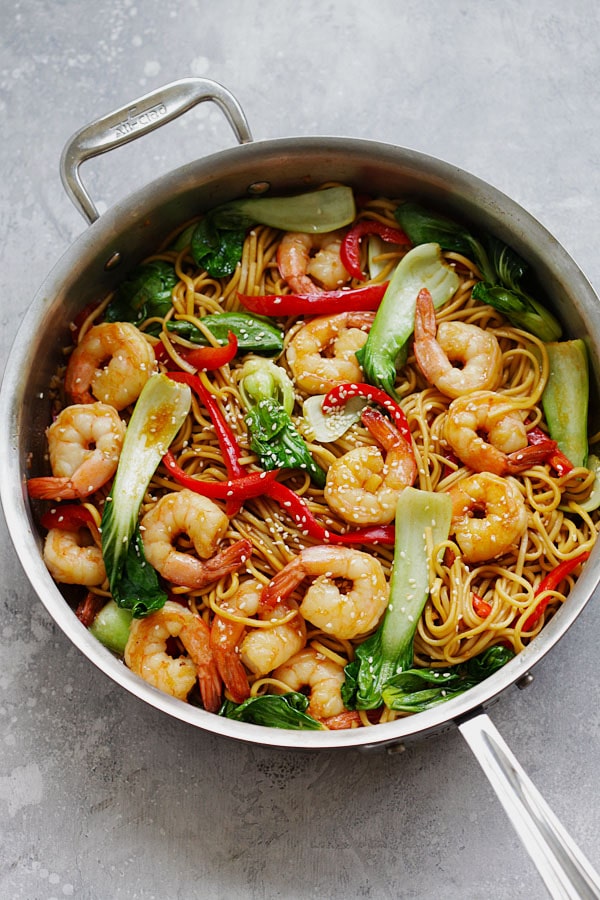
[252, 485]
[480, 606]
[326, 303]
[550, 583]
[339, 396]
[297, 508]
[227, 440]
[350, 249]
[556, 458]
[67, 517]
[203, 359]
[230, 448]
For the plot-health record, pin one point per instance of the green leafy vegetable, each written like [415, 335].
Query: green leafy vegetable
[268, 395]
[217, 240]
[502, 269]
[274, 711]
[422, 522]
[158, 414]
[218, 249]
[419, 689]
[566, 398]
[146, 293]
[261, 380]
[386, 346]
[254, 334]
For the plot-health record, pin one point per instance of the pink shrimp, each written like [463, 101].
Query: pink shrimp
[84, 445]
[185, 512]
[146, 654]
[239, 648]
[298, 267]
[362, 486]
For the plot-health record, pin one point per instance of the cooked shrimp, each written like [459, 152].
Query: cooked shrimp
[262, 649]
[362, 486]
[298, 267]
[112, 362]
[84, 445]
[340, 336]
[348, 595]
[488, 516]
[323, 676]
[73, 557]
[483, 414]
[185, 512]
[146, 654]
[476, 351]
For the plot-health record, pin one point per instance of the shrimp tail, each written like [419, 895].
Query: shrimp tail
[282, 585]
[521, 460]
[50, 487]
[348, 719]
[209, 682]
[197, 642]
[425, 320]
[233, 673]
[384, 432]
[226, 561]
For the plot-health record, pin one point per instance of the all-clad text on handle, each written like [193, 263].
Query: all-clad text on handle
[136, 119]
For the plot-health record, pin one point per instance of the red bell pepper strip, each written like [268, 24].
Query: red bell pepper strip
[480, 606]
[339, 395]
[203, 359]
[230, 448]
[252, 485]
[227, 439]
[325, 303]
[67, 517]
[298, 509]
[350, 249]
[550, 583]
[556, 458]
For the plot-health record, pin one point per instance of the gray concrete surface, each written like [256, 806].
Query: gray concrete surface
[102, 797]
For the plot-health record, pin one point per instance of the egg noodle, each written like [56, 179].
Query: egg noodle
[472, 604]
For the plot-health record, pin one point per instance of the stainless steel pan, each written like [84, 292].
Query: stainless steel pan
[118, 240]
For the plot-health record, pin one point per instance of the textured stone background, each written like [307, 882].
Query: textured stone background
[102, 797]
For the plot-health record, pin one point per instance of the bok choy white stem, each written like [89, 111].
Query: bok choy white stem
[157, 417]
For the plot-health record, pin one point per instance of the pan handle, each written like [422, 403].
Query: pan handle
[563, 867]
[136, 119]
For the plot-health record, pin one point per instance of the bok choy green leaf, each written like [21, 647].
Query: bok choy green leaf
[503, 271]
[419, 689]
[146, 293]
[274, 711]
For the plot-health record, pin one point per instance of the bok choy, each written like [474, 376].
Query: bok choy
[386, 346]
[419, 689]
[274, 711]
[503, 271]
[422, 523]
[157, 417]
[217, 240]
[268, 396]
